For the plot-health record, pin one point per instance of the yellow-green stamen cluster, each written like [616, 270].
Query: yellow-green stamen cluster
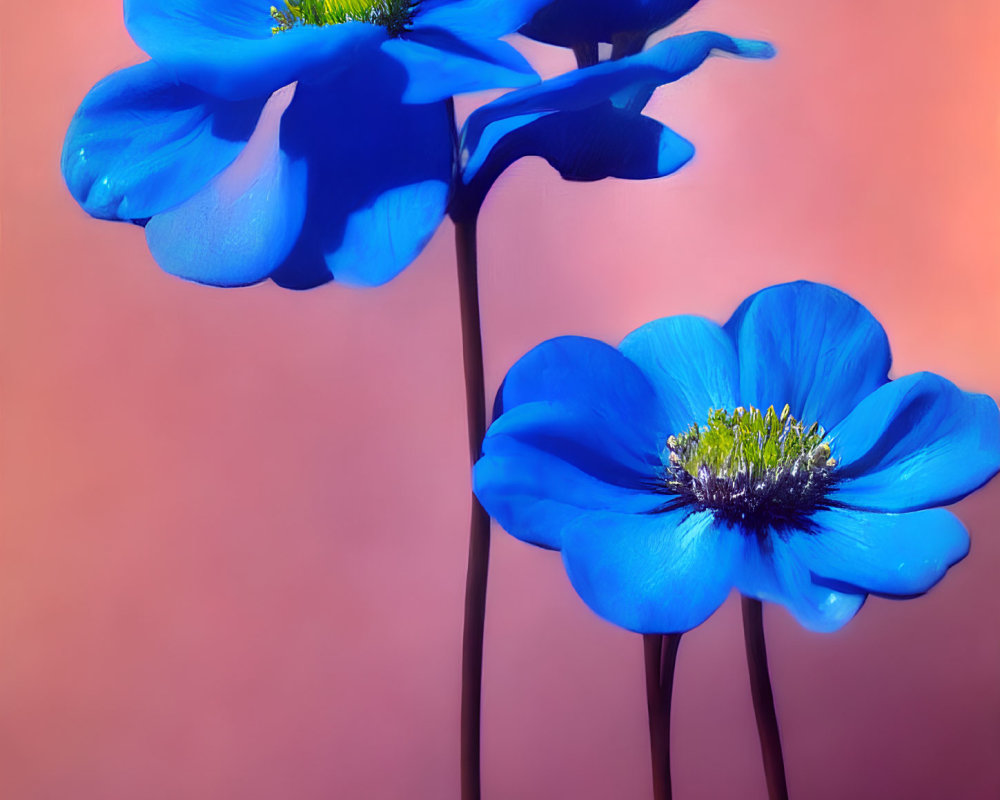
[758, 469]
[749, 441]
[393, 15]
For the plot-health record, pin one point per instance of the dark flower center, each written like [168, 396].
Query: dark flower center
[393, 15]
[757, 470]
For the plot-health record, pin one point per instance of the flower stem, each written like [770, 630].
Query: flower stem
[586, 54]
[661, 658]
[763, 699]
[479, 528]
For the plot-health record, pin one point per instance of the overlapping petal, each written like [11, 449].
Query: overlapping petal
[917, 442]
[361, 185]
[535, 490]
[662, 572]
[440, 64]
[894, 554]
[141, 143]
[476, 18]
[572, 22]
[770, 569]
[244, 222]
[588, 145]
[517, 123]
[692, 364]
[810, 346]
[226, 47]
[587, 374]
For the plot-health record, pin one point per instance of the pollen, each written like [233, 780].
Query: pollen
[393, 15]
[756, 468]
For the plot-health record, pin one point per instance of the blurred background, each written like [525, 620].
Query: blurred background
[233, 522]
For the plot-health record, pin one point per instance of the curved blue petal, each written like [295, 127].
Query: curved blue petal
[571, 22]
[243, 223]
[895, 554]
[651, 573]
[691, 362]
[480, 19]
[588, 438]
[771, 570]
[810, 346]
[587, 145]
[141, 143]
[226, 47]
[534, 494]
[379, 176]
[588, 374]
[440, 64]
[619, 80]
[917, 442]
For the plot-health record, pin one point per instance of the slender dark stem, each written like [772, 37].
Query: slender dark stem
[661, 658]
[627, 44]
[586, 54]
[479, 528]
[763, 699]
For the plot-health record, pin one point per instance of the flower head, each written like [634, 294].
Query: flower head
[772, 454]
[349, 182]
[588, 123]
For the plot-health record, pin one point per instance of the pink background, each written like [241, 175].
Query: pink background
[233, 522]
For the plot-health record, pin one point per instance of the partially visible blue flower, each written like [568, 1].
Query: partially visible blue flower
[588, 123]
[570, 23]
[772, 454]
[359, 178]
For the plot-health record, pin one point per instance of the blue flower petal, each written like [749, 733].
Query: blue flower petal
[651, 573]
[587, 145]
[571, 22]
[379, 176]
[771, 570]
[588, 374]
[441, 64]
[809, 346]
[534, 494]
[589, 438]
[141, 143]
[243, 223]
[615, 80]
[917, 442]
[226, 47]
[895, 554]
[691, 362]
[478, 19]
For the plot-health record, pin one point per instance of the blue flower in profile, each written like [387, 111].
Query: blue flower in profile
[771, 454]
[588, 123]
[572, 23]
[358, 178]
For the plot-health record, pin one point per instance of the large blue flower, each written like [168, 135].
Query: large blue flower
[664, 477]
[359, 177]
[571, 23]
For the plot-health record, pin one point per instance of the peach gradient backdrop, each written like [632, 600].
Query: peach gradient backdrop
[233, 522]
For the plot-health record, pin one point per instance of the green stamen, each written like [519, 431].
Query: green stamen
[393, 15]
[748, 442]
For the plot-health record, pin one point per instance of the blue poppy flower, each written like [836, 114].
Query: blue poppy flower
[571, 23]
[587, 123]
[772, 455]
[358, 178]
